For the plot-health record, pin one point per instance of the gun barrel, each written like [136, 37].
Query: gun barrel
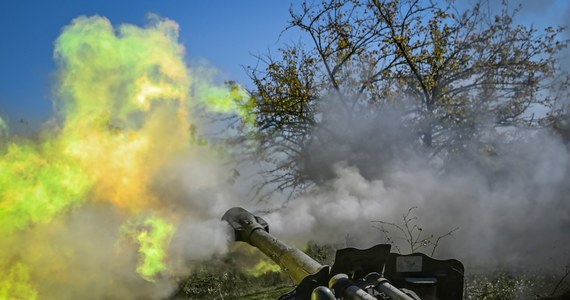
[255, 231]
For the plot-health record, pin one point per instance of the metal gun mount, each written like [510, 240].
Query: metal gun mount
[373, 273]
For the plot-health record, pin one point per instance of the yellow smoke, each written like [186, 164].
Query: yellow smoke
[153, 234]
[123, 99]
[36, 184]
[123, 95]
[14, 284]
[264, 266]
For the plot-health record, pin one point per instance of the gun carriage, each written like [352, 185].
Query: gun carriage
[373, 273]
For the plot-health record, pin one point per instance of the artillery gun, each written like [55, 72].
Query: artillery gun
[373, 273]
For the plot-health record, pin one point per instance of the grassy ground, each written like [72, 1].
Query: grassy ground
[480, 287]
[265, 293]
[228, 278]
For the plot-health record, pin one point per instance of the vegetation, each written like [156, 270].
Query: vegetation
[220, 279]
[232, 284]
[505, 286]
[415, 239]
[454, 74]
[226, 278]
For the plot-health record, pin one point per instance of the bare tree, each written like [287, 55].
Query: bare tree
[411, 233]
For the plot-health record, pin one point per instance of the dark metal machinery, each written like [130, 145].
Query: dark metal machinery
[356, 274]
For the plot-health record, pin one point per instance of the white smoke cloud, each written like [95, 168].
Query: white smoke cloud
[510, 204]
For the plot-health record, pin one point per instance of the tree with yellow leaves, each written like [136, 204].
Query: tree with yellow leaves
[454, 73]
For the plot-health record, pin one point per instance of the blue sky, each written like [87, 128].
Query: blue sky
[224, 33]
